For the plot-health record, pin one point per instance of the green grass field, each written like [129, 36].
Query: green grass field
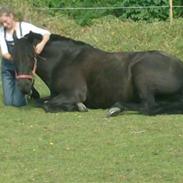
[88, 147]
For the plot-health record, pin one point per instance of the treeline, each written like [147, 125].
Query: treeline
[84, 17]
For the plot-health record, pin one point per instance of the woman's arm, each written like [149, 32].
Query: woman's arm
[40, 46]
[3, 47]
[27, 27]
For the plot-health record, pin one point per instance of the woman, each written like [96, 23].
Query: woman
[10, 28]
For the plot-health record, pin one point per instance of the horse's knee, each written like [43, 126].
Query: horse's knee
[48, 107]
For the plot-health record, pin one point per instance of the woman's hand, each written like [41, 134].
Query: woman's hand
[7, 56]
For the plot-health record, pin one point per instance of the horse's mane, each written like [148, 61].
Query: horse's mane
[54, 37]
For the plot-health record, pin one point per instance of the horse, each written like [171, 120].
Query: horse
[81, 76]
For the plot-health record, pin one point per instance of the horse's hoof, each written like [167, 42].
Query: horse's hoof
[81, 107]
[114, 111]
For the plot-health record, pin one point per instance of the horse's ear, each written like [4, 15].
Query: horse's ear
[29, 37]
[32, 37]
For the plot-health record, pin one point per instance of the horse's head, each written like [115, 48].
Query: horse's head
[25, 60]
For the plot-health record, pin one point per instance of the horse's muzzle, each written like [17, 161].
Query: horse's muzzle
[25, 86]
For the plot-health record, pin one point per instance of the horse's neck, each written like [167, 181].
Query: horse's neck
[43, 70]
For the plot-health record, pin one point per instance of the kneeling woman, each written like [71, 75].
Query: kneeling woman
[11, 27]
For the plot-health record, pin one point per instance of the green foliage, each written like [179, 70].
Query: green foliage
[84, 17]
[145, 14]
[178, 11]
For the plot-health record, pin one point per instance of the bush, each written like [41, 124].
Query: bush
[84, 17]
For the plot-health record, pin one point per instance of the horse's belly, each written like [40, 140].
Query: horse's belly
[106, 97]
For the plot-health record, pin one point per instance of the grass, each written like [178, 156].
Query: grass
[88, 147]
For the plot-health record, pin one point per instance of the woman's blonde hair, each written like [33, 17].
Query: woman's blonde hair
[6, 11]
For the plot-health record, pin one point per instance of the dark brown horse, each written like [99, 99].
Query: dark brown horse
[80, 75]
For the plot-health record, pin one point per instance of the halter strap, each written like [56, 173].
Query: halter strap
[24, 76]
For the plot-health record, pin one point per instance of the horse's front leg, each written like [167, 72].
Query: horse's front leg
[63, 102]
[41, 101]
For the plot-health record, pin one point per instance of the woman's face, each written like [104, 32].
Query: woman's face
[7, 21]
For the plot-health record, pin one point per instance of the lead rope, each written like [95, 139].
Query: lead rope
[35, 66]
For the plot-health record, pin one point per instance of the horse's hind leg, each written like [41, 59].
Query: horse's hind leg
[146, 105]
[145, 92]
[117, 108]
[148, 102]
[172, 105]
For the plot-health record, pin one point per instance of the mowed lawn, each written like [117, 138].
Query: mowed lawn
[73, 147]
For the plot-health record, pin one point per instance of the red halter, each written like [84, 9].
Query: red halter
[28, 76]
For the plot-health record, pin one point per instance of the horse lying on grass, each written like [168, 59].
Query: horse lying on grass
[80, 76]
